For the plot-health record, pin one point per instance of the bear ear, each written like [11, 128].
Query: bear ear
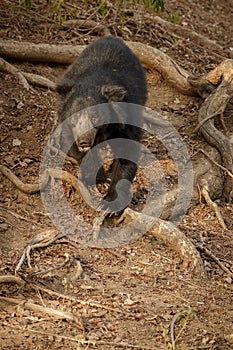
[113, 93]
[64, 86]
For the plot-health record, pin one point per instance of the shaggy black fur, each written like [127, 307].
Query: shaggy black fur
[107, 71]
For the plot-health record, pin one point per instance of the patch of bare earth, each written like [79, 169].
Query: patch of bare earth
[134, 296]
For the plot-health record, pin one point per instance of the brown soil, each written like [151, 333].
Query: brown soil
[131, 292]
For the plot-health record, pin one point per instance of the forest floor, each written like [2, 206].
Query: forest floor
[136, 295]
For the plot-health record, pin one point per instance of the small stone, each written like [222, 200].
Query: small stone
[3, 227]
[20, 105]
[16, 142]
[228, 280]
[129, 302]
[229, 338]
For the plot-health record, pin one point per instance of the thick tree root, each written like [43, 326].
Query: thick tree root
[161, 229]
[9, 68]
[220, 83]
[217, 86]
[171, 236]
[150, 57]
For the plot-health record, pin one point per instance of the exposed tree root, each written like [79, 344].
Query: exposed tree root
[9, 68]
[150, 57]
[34, 188]
[24, 77]
[12, 279]
[26, 51]
[38, 80]
[161, 229]
[43, 239]
[26, 188]
[216, 103]
[217, 85]
[156, 60]
[215, 114]
[171, 236]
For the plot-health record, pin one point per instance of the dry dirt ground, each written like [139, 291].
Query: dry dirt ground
[127, 297]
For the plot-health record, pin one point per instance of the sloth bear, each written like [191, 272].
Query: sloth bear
[106, 72]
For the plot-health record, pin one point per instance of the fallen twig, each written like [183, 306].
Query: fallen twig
[215, 114]
[177, 316]
[12, 279]
[20, 281]
[86, 24]
[190, 34]
[45, 310]
[212, 256]
[46, 271]
[217, 164]
[81, 302]
[95, 343]
[63, 155]
[205, 194]
[18, 216]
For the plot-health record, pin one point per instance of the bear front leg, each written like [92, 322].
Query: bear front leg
[119, 196]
